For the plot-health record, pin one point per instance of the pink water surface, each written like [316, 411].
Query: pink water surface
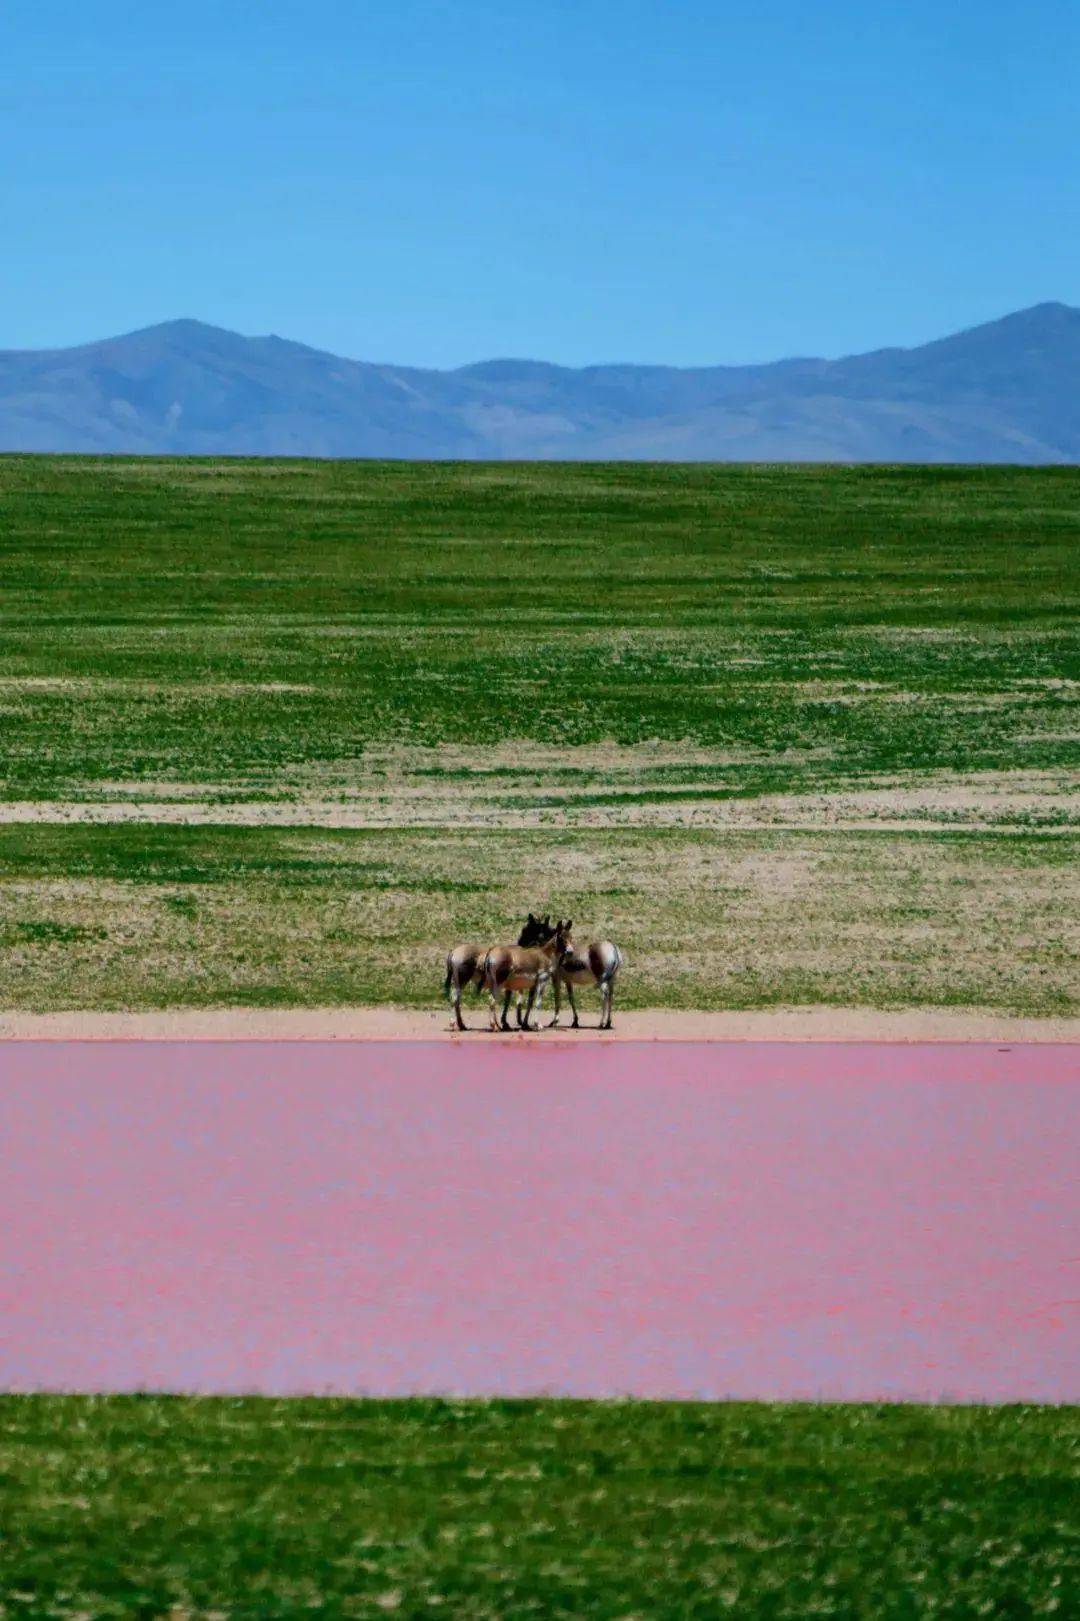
[751, 1220]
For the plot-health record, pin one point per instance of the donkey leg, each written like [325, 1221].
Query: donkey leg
[504, 1022]
[455, 1003]
[491, 986]
[558, 1002]
[541, 987]
[525, 1025]
[608, 994]
[573, 1005]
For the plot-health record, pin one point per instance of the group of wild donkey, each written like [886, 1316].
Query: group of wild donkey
[544, 955]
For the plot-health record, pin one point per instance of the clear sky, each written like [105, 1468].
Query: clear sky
[576, 180]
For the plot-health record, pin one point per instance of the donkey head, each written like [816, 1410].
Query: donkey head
[536, 931]
[562, 936]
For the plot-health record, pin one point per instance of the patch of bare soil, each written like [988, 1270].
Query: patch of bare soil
[648, 1024]
[993, 803]
[143, 687]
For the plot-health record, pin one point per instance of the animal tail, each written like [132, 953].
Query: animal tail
[447, 981]
[616, 964]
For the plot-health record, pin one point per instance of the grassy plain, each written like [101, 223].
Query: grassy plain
[136, 916]
[149, 1506]
[823, 719]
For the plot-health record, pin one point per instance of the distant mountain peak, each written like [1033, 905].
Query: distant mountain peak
[1048, 316]
[182, 326]
[1005, 390]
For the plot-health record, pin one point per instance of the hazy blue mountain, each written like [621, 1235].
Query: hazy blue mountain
[1008, 391]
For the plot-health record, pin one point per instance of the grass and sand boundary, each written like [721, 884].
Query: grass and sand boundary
[381, 1024]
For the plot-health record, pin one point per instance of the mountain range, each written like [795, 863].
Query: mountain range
[1006, 391]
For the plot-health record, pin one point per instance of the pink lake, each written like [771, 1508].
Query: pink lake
[751, 1220]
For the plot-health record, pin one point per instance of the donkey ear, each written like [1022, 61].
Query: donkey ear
[530, 918]
[569, 924]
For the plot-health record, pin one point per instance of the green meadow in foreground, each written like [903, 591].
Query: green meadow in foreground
[403, 702]
[154, 1507]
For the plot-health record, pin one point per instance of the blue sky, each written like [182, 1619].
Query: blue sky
[434, 183]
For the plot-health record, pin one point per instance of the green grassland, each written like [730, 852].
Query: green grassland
[138, 916]
[152, 1507]
[226, 621]
[669, 699]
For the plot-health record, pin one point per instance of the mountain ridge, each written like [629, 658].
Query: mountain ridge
[1001, 391]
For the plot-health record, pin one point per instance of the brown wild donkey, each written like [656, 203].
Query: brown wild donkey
[465, 963]
[596, 964]
[523, 968]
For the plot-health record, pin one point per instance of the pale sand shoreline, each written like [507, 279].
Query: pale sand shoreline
[650, 1024]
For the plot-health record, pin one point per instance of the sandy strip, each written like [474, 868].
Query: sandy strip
[772, 814]
[650, 1024]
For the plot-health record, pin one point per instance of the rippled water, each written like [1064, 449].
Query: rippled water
[753, 1220]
